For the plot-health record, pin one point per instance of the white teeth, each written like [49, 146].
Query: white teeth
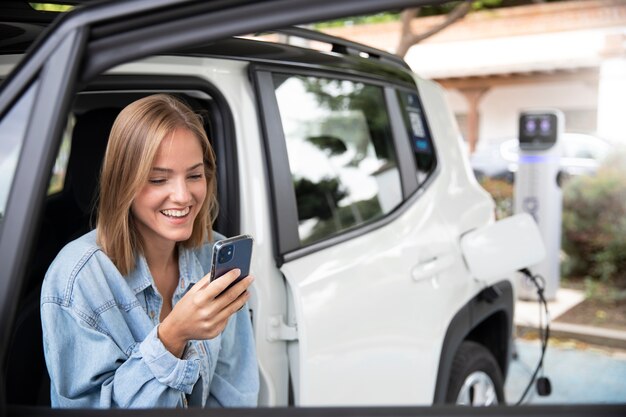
[176, 213]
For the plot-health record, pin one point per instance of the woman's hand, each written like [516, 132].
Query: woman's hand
[201, 314]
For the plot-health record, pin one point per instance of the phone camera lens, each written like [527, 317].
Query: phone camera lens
[226, 254]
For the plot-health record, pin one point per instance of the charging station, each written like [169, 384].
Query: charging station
[537, 191]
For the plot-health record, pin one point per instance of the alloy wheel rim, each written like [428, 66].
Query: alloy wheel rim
[478, 390]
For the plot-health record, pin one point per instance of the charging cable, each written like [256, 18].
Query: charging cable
[544, 387]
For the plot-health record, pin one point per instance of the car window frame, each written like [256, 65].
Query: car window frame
[395, 155]
[39, 150]
[287, 245]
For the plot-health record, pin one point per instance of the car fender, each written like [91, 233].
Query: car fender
[491, 307]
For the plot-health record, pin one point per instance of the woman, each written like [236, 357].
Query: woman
[129, 316]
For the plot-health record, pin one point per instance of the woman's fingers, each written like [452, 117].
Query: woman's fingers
[203, 313]
[208, 289]
[217, 294]
[216, 321]
[203, 282]
[236, 290]
[218, 285]
[224, 314]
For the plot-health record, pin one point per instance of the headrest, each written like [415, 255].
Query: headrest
[89, 141]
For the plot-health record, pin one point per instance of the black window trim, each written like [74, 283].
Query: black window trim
[287, 246]
[402, 147]
[277, 169]
[435, 170]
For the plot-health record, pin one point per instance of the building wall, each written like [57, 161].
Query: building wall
[533, 39]
[500, 107]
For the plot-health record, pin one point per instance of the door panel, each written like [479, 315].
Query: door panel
[369, 333]
[371, 309]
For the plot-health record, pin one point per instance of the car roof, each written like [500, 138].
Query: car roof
[276, 53]
[21, 25]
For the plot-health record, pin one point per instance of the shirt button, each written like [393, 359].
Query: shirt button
[152, 314]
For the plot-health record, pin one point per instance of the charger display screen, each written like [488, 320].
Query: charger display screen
[537, 131]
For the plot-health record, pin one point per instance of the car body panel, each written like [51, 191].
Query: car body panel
[470, 206]
[359, 318]
[346, 320]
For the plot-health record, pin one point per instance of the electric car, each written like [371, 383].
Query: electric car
[344, 165]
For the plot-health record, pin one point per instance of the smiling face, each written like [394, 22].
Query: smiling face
[167, 205]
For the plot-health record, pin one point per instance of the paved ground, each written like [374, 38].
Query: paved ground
[527, 320]
[578, 376]
[527, 311]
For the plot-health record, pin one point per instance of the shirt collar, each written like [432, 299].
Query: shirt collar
[189, 266]
[189, 269]
[140, 278]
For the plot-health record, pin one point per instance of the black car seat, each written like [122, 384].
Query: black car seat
[66, 216]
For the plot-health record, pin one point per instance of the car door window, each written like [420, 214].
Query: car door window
[12, 133]
[340, 152]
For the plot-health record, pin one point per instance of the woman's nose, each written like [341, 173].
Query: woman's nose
[180, 191]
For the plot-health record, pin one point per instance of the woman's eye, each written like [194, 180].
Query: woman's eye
[196, 176]
[156, 181]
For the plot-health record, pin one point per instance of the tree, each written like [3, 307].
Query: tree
[454, 11]
[319, 199]
[408, 38]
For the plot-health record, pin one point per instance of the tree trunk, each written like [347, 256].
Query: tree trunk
[408, 38]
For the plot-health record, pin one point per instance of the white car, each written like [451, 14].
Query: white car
[582, 154]
[377, 278]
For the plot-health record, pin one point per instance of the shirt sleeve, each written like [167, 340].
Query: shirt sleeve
[235, 382]
[88, 369]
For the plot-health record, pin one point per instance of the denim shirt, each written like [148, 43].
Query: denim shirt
[101, 344]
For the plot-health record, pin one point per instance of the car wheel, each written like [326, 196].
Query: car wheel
[475, 378]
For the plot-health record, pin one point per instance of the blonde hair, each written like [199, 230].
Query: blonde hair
[135, 137]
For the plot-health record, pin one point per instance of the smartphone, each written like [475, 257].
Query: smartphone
[231, 253]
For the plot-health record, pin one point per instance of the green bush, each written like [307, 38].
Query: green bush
[594, 224]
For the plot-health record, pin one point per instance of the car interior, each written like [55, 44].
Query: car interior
[67, 214]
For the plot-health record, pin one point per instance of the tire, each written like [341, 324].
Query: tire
[475, 378]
